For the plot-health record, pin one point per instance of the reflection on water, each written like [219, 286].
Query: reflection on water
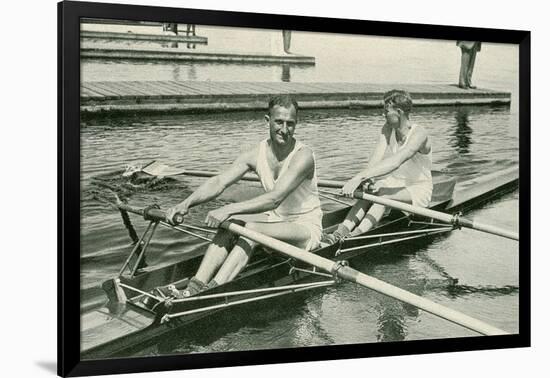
[391, 323]
[285, 72]
[463, 131]
[177, 73]
[184, 72]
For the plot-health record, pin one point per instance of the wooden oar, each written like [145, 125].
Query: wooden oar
[352, 275]
[158, 169]
[442, 217]
[161, 170]
[344, 272]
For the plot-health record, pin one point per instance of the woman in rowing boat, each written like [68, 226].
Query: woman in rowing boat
[401, 165]
[289, 210]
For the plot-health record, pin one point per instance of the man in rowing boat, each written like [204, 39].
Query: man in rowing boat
[399, 169]
[289, 210]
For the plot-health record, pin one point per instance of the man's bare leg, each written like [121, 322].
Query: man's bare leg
[286, 41]
[470, 71]
[464, 65]
[353, 218]
[215, 255]
[292, 233]
[370, 220]
[235, 262]
[377, 211]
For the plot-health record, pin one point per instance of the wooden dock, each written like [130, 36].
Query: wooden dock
[92, 51]
[205, 96]
[87, 34]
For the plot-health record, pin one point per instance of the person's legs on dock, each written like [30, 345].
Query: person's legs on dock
[286, 41]
[190, 31]
[464, 67]
[170, 29]
[471, 68]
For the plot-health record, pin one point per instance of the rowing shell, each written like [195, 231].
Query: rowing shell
[126, 322]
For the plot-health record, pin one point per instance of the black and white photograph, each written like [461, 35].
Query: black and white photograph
[290, 135]
[252, 189]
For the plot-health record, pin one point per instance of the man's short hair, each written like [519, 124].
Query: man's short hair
[399, 99]
[284, 101]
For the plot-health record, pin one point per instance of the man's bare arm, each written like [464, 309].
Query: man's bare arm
[388, 165]
[381, 146]
[215, 186]
[393, 162]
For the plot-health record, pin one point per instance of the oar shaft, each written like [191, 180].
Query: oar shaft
[428, 213]
[353, 275]
[488, 228]
[215, 173]
[322, 183]
[443, 217]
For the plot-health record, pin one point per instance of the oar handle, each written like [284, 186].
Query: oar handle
[151, 213]
[178, 218]
[334, 184]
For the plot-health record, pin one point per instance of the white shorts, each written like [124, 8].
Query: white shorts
[420, 192]
[315, 231]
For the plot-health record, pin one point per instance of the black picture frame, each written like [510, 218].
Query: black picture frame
[69, 14]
